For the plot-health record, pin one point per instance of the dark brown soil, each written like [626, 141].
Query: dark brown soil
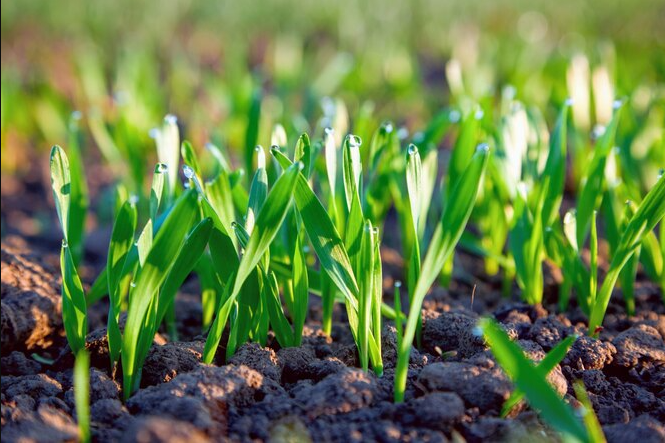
[316, 392]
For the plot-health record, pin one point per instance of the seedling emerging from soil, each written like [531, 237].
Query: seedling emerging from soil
[447, 234]
[546, 365]
[532, 381]
[74, 309]
[650, 212]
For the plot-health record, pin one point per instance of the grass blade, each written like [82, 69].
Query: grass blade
[650, 212]
[141, 315]
[268, 222]
[74, 310]
[531, 381]
[187, 258]
[592, 190]
[546, 365]
[323, 235]
[157, 189]
[258, 191]
[167, 139]
[61, 183]
[82, 393]
[447, 234]
[591, 422]
[122, 239]
[252, 131]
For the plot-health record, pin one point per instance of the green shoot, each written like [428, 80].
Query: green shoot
[650, 212]
[447, 234]
[546, 365]
[594, 430]
[142, 313]
[82, 394]
[74, 309]
[268, 222]
[531, 380]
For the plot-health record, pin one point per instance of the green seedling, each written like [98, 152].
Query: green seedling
[650, 212]
[447, 234]
[74, 307]
[532, 381]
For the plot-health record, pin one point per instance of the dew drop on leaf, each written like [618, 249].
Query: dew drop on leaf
[188, 171]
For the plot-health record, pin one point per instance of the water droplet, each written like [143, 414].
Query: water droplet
[354, 140]
[300, 166]
[569, 101]
[375, 230]
[398, 284]
[412, 149]
[328, 131]
[133, 199]
[617, 104]
[483, 148]
[478, 331]
[76, 115]
[454, 116]
[188, 171]
[161, 168]
[306, 249]
[479, 114]
[170, 119]
[187, 185]
[136, 243]
[274, 149]
[153, 133]
[388, 127]
[132, 284]
[64, 243]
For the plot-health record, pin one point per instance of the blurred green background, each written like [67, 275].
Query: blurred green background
[125, 64]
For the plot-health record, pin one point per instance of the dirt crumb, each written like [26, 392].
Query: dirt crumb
[640, 346]
[31, 309]
[484, 388]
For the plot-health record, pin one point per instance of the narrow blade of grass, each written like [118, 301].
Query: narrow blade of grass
[141, 315]
[591, 422]
[532, 382]
[74, 310]
[122, 239]
[650, 212]
[447, 234]
[546, 365]
[82, 394]
[268, 222]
